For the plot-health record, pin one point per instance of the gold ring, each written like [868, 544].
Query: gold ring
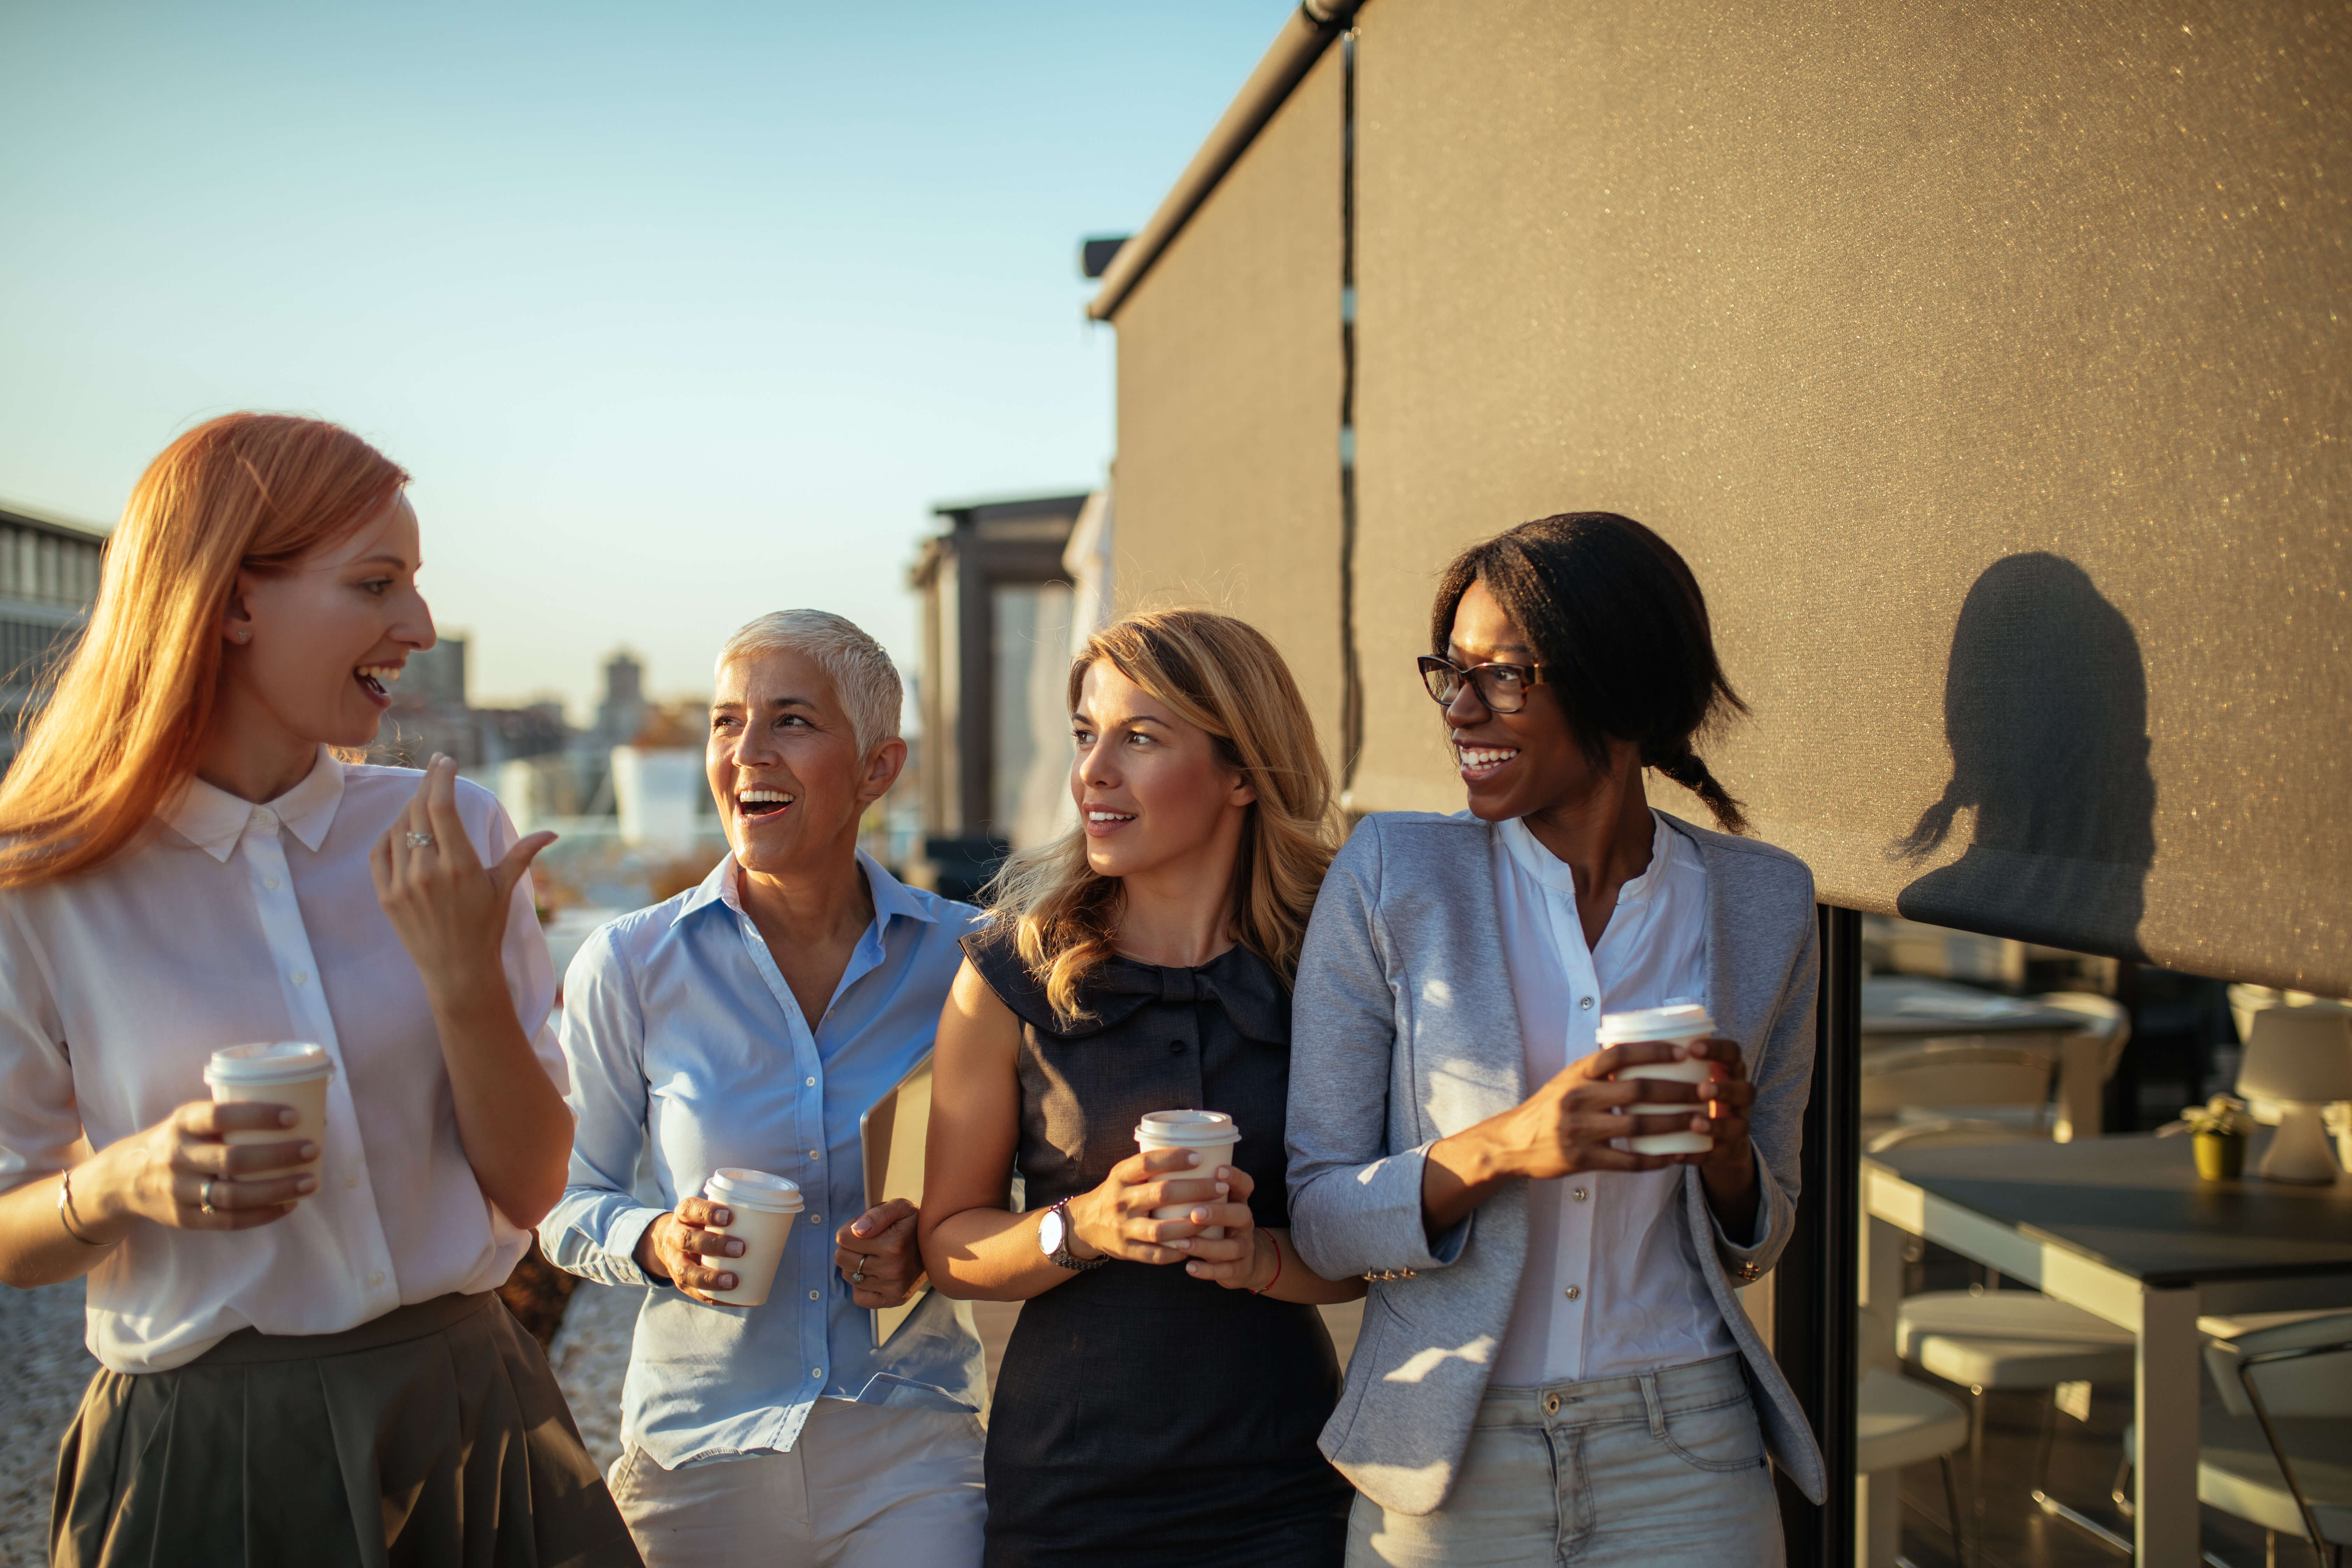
[205, 1196]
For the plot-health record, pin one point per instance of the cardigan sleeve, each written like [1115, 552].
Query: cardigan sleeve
[1355, 1203]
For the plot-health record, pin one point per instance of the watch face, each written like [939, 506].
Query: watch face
[1049, 1232]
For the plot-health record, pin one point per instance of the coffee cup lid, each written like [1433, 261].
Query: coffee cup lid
[753, 1189]
[283, 1061]
[1203, 1129]
[1680, 1022]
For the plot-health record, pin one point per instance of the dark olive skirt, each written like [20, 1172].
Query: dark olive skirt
[434, 1434]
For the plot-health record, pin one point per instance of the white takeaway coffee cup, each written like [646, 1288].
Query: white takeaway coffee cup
[1208, 1133]
[760, 1209]
[287, 1072]
[1681, 1025]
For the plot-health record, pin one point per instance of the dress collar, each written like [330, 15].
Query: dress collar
[214, 820]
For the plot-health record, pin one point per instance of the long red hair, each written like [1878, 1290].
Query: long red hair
[126, 718]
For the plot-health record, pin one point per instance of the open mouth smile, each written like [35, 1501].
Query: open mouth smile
[377, 681]
[1102, 822]
[1482, 762]
[760, 802]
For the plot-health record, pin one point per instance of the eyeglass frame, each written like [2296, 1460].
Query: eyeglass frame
[1533, 675]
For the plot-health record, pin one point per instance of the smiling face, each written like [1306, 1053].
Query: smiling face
[784, 763]
[1151, 788]
[317, 648]
[1514, 765]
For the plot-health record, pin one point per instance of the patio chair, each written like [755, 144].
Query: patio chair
[1962, 1089]
[2278, 1450]
[1900, 1422]
[2004, 1339]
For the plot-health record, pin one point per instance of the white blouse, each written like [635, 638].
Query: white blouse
[238, 924]
[1612, 1284]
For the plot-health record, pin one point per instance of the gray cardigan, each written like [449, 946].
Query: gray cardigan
[1403, 1031]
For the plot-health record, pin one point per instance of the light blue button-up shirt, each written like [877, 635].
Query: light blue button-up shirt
[686, 1044]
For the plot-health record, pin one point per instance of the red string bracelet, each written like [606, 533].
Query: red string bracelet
[1277, 1264]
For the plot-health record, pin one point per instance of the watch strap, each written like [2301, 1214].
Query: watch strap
[1061, 1256]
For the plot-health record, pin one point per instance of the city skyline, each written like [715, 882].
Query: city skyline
[674, 324]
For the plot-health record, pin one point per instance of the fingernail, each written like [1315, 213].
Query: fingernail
[727, 1281]
[734, 1248]
[721, 1216]
[310, 1151]
[1200, 1216]
[1194, 1270]
[307, 1184]
[287, 1117]
[1182, 1245]
[1191, 1159]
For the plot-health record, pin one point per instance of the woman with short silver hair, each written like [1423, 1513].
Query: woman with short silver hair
[751, 1021]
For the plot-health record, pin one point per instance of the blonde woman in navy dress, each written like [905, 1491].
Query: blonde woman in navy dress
[300, 1364]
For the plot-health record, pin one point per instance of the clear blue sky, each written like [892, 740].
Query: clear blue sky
[678, 314]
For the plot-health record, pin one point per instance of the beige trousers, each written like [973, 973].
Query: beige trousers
[864, 1486]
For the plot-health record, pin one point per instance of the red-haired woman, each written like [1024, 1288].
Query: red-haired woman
[303, 1357]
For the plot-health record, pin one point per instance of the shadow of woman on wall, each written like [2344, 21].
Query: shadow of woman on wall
[2045, 709]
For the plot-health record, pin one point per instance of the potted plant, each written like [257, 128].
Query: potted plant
[2217, 1130]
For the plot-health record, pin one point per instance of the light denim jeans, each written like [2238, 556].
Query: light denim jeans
[1645, 1471]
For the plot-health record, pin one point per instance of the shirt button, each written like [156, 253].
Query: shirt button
[1574, 1292]
[301, 978]
[1586, 1003]
[375, 1279]
[265, 819]
[814, 1155]
[812, 1295]
[1578, 1194]
[271, 883]
[809, 1082]
[816, 1219]
[816, 1372]
[350, 1181]
[1175, 1047]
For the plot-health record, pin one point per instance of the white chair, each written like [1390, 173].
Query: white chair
[2002, 1339]
[2278, 1451]
[1962, 1089]
[1899, 1423]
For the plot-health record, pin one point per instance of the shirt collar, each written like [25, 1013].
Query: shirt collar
[1529, 854]
[891, 897]
[214, 820]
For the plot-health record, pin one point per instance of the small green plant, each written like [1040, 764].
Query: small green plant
[2223, 1116]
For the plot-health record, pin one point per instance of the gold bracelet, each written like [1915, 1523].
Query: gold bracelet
[66, 1214]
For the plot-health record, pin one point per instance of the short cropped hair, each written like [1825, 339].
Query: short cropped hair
[864, 679]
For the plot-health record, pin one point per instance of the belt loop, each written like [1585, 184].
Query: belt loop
[1656, 1405]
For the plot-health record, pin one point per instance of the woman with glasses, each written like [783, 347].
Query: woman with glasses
[1162, 1394]
[1553, 1360]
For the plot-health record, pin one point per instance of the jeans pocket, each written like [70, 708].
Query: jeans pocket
[1719, 1437]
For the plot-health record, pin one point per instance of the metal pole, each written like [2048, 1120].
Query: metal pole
[1814, 1286]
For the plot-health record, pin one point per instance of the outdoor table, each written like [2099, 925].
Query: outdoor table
[1896, 1007]
[2123, 1228]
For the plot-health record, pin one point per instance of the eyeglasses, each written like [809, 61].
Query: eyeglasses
[1503, 687]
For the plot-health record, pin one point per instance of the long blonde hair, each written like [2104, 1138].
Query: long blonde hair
[1222, 676]
[123, 722]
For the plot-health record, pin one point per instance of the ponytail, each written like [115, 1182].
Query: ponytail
[1686, 769]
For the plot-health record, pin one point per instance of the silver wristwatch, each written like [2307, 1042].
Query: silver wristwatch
[1054, 1240]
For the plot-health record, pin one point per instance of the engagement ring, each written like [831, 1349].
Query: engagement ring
[859, 1276]
[205, 1196]
[420, 841]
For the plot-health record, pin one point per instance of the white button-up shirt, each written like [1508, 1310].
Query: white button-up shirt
[1612, 1285]
[235, 924]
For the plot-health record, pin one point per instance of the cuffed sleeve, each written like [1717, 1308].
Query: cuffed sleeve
[593, 1229]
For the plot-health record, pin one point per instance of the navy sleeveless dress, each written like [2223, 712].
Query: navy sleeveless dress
[1142, 1415]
